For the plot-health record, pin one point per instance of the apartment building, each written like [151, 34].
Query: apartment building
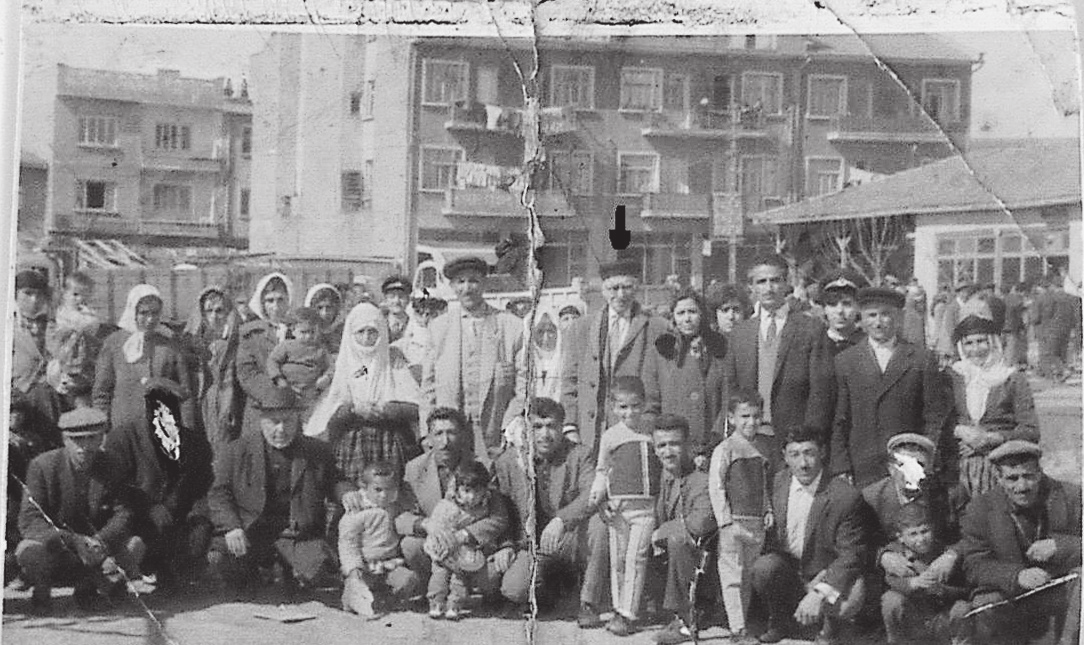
[394, 143]
[151, 161]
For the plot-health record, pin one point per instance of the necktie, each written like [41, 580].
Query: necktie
[769, 338]
[614, 339]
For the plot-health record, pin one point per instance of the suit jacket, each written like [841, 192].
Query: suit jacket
[871, 407]
[571, 475]
[239, 492]
[107, 510]
[836, 541]
[946, 504]
[994, 551]
[1010, 408]
[585, 377]
[693, 390]
[683, 512]
[801, 388]
[442, 371]
[422, 483]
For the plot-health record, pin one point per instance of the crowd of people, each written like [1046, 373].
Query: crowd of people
[812, 461]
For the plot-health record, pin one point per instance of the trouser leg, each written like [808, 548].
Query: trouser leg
[350, 534]
[439, 583]
[417, 560]
[596, 576]
[776, 581]
[893, 605]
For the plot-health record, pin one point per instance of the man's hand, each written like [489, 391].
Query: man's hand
[897, 565]
[606, 513]
[502, 559]
[700, 461]
[1032, 578]
[809, 610]
[944, 564]
[1042, 550]
[572, 433]
[91, 551]
[550, 539]
[353, 501]
[769, 520]
[925, 580]
[237, 543]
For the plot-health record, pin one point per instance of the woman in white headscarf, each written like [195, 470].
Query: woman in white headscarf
[270, 303]
[142, 349]
[374, 396]
[993, 401]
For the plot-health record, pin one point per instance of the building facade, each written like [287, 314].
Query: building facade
[375, 145]
[153, 161]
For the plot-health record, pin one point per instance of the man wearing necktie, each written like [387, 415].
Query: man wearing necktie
[612, 342]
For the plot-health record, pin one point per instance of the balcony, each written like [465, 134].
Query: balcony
[704, 124]
[486, 202]
[508, 121]
[675, 206]
[727, 220]
[169, 163]
[904, 128]
[112, 225]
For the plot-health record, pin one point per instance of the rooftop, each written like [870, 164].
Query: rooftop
[1021, 173]
[167, 87]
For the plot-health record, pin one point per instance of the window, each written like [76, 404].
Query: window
[246, 141]
[763, 89]
[355, 103]
[823, 176]
[246, 196]
[641, 88]
[1003, 257]
[675, 94]
[173, 199]
[438, 168]
[564, 257]
[352, 191]
[827, 96]
[572, 172]
[572, 86]
[98, 196]
[721, 92]
[97, 131]
[758, 181]
[370, 99]
[367, 180]
[941, 99]
[662, 255]
[637, 173]
[444, 81]
[170, 136]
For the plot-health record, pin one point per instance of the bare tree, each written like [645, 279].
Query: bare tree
[864, 245]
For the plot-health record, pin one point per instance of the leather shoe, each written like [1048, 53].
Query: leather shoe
[674, 633]
[588, 617]
[620, 626]
[773, 635]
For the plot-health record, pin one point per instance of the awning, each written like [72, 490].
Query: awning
[444, 254]
[107, 254]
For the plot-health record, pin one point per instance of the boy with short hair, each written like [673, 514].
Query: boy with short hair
[369, 545]
[627, 479]
[459, 559]
[302, 363]
[922, 608]
[738, 483]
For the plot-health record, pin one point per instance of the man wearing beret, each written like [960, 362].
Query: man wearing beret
[613, 342]
[884, 386]
[77, 516]
[1016, 538]
[471, 363]
[29, 354]
[268, 501]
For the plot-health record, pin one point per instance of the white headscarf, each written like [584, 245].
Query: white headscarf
[133, 347]
[546, 363]
[365, 375]
[980, 379]
[256, 302]
[316, 289]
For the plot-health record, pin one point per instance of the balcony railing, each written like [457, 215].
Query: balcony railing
[485, 202]
[508, 121]
[905, 128]
[108, 225]
[676, 206]
[153, 161]
[703, 123]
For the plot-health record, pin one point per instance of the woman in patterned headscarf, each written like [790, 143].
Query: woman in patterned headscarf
[140, 350]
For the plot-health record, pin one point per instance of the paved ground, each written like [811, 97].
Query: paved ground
[211, 620]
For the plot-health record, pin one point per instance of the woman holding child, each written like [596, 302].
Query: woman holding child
[270, 303]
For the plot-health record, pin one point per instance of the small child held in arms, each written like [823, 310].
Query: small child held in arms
[302, 363]
[369, 545]
[740, 489]
[625, 486]
[74, 311]
[923, 608]
[467, 540]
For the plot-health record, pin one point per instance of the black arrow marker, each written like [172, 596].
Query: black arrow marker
[619, 235]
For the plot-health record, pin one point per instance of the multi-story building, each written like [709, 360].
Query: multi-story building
[374, 145]
[151, 161]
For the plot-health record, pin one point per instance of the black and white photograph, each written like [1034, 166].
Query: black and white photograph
[753, 336]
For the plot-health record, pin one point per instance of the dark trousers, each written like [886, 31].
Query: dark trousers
[596, 577]
[778, 582]
[307, 559]
[1030, 618]
[677, 566]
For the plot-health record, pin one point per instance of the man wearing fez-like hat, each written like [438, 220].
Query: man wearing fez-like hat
[1017, 537]
[837, 297]
[886, 386]
[472, 363]
[268, 501]
[610, 343]
[77, 516]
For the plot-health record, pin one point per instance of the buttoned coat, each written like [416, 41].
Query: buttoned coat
[118, 384]
[910, 396]
[692, 390]
[570, 486]
[258, 339]
[585, 376]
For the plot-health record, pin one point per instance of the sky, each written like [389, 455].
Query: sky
[1026, 85]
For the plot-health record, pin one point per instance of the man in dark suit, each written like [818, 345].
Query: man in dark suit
[1017, 537]
[838, 293]
[563, 474]
[599, 348]
[77, 516]
[816, 548]
[781, 354]
[884, 387]
[270, 495]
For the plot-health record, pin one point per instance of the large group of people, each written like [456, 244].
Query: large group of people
[810, 461]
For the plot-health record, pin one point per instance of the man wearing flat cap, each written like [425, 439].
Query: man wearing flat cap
[837, 297]
[885, 386]
[268, 501]
[29, 353]
[77, 516]
[1018, 537]
[396, 293]
[471, 362]
[599, 348]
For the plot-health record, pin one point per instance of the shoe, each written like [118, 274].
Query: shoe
[675, 632]
[588, 618]
[828, 635]
[87, 598]
[41, 600]
[436, 609]
[773, 635]
[452, 613]
[357, 597]
[620, 626]
[743, 637]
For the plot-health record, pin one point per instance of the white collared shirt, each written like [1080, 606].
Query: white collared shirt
[780, 320]
[883, 352]
[799, 503]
